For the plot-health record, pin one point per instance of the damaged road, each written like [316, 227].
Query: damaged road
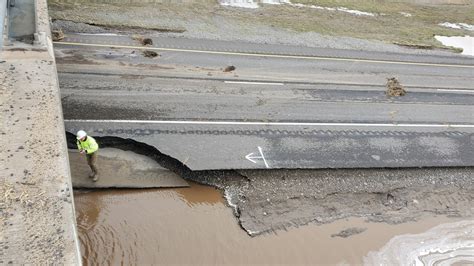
[294, 112]
[283, 113]
[241, 145]
[269, 200]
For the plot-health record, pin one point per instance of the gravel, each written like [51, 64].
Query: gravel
[272, 200]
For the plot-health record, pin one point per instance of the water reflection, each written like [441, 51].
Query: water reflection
[198, 195]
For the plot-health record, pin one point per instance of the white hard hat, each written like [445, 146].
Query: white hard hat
[81, 134]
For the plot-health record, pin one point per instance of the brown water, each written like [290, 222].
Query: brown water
[193, 226]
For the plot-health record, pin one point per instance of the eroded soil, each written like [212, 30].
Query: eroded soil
[269, 200]
[193, 226]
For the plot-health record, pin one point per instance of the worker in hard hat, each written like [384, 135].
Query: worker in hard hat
[88, 146]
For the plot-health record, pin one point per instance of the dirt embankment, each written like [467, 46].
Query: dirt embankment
[278, 199]
[267, 200]
[391, 27]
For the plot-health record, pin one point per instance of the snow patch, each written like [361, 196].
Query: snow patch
[299, 5]
[341, 9]
[255, 4]
[459, 26]
[467, 26]
[466, 43]
[355, 12]
[275, 2]
[239, 3]
[405, 14]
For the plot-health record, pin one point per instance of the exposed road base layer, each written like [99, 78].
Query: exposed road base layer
[122, 169]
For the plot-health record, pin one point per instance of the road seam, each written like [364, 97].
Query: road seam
[285, 82]
[190, 122]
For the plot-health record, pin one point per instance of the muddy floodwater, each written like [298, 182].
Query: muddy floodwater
[194, 226]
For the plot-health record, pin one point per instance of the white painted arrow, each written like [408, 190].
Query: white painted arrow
[252, 157]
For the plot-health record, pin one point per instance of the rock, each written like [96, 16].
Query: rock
[57, 35]
[149, 53]
[394, 88]
[143, 41]
[229, 68]
[147, 41]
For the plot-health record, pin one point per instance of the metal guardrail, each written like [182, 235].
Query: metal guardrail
[3, 16]
[21, 23]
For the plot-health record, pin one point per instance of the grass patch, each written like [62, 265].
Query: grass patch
[389, 25]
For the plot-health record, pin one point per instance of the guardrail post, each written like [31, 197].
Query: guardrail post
[3, 18]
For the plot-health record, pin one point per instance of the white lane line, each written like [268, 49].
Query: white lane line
[263, 157]
[254, 83]
[265, 55]
[239, 123]
[468, 91]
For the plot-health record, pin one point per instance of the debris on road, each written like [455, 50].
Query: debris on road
[57, 35]
[229, 69]
[143, 41]
[147, 41]
[149, 53]
[394, 88]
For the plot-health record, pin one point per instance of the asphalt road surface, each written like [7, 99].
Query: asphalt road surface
[283, 106]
